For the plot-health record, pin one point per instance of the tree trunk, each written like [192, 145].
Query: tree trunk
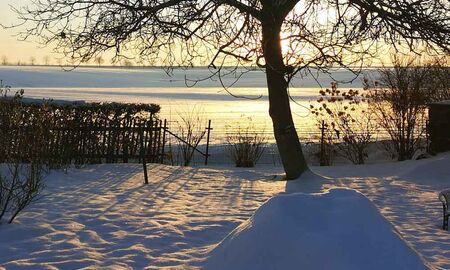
[286, 136]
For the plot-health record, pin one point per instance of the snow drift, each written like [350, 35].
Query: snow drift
[340, 229]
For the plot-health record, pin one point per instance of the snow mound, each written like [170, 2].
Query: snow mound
[433, 169]
[340, 229]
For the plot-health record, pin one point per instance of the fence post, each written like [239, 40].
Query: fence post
[322, 144]
[163, 141]
[144, 162]
[207, 141]
[427, 136]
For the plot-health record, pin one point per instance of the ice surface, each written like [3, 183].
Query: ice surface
[155, 86]
[88, 77]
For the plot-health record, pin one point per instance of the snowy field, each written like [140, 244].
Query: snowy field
[102, 217]
[155, 86]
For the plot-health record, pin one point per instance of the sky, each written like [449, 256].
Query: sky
[14, 49]
[10, 47]
[21, 51]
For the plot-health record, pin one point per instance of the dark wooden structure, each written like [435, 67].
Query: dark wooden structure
[444, 197]
[95, 143]
[439, 126]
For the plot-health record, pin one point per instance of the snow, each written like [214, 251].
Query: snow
[406, 193]
[102, 216]
[444, 102]
[340, 229]
[91, 77]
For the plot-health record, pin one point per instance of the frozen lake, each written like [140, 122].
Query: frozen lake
[154, 85]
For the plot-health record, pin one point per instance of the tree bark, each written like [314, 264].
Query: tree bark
[288, 143]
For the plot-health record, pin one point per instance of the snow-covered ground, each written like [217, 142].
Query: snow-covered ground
[339, 229]
[406, 193]
[125, 78]
[102, 216]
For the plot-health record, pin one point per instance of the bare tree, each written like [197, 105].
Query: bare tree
[127, 63]
[99, 60]
[21, 179]
[283, 37]
[5, 60]
[399, 100]
[191, 130]
[46, 60]
[32, 60]
[59, 61]
[438, 79]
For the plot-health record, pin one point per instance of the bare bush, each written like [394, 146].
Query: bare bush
[326, 150]
[399, 99]
[347, 119]
[191, 130]
[19, 188]
[246, 146]
[21, 179]
[438, 80]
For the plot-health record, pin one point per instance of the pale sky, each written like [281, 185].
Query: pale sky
[9, 46]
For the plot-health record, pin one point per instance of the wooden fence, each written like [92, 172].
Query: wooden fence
[71, 133]
[60, 134]
[90, 144]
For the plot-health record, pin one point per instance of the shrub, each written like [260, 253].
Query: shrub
[21, 179]
[246, 147]
[19, 188]
[191, 131]
[399, 101]
[325, 151]
[75, 133]
[350, 127]
[438, 80]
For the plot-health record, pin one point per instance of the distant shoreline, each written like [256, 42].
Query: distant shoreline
[164, 67]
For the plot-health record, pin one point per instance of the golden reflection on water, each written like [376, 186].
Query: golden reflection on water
[226, 112]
